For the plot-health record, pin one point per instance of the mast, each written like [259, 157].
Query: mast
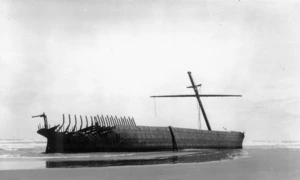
[199, 101]
[197, 95]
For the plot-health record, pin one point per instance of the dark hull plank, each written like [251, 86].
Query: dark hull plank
[138, 138]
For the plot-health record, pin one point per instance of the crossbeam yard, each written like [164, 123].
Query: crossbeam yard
[200, 95]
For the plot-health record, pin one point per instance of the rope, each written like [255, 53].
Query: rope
[199, 116]
[199, 112]
[155, 108]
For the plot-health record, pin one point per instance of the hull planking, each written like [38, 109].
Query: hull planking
[138, 138]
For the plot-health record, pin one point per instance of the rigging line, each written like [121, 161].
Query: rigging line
[199, 116]
[199, 111]
[155, 107]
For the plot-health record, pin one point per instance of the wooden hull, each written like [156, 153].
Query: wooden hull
[138, 138]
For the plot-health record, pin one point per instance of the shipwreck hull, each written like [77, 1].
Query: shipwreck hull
[138, 138]
[112, 133]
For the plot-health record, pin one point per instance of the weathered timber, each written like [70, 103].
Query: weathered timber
[138, 138]
[60, 127]
[81, 122]
[112, 133]
[199, 101]
[68, 124]
[74, 128]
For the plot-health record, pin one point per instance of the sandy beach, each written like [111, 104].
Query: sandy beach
[258, 164]
[149, 90]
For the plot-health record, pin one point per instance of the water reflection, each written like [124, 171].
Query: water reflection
[172, 158]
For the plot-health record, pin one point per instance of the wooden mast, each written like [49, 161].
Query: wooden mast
[199, 101]
[197, 95]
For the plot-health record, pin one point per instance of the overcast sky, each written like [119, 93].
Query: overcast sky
[108, 57]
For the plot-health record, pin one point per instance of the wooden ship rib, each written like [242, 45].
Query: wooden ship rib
[112, 133]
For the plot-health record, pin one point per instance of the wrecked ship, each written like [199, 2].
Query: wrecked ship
[113, 134]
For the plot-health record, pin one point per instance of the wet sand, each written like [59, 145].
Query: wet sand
[258, 164]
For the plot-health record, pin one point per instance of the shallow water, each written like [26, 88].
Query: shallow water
[29, 154]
